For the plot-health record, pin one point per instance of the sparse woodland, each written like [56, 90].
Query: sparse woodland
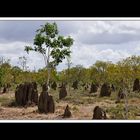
[105, 90]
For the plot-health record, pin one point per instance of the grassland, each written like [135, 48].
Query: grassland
[81, 105]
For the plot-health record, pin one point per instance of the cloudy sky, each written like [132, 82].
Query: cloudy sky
[94, 40]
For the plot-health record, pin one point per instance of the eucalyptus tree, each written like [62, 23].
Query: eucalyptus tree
[53, 47]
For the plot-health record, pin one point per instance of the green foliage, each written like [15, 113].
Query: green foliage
[5, 73]
[50, 44]
[120, 74]
[116, 112]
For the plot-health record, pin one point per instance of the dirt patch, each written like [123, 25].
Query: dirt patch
[81, 108]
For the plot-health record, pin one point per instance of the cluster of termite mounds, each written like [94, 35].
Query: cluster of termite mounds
[122, 95]
[26, 94]
[105, 89]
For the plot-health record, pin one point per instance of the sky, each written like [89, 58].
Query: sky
[93, 40]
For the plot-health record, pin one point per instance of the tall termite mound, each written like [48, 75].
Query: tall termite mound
[105, 90]
[93, 88]
[46, 103]
[99, 113]
[136, 85]
[67, 112]
[26, 94]
[63, 91]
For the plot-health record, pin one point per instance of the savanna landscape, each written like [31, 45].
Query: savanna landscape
[103, 90]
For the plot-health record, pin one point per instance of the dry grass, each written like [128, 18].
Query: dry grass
[81, 105]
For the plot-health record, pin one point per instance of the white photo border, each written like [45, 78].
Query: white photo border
[70, 19]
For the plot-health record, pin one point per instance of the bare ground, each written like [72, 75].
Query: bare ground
[80, 106]
[79, 112]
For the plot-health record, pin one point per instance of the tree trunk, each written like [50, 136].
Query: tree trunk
[48, 78]
[68, 79]
[126, 106]
[48, 66]
[125, 91]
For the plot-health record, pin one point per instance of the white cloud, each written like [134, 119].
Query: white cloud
[89, 54]
[94, 40]
[14, 50]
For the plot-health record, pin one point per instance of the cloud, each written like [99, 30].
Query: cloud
[24, 31]
[108, 38]
[105, 32]
[98, 31]
[94, 40]
[89, 54]
[15, 50]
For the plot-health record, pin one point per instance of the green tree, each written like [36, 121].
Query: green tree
[133, 65]
[5, 72]
[99, 71]
[16, 71]
[53, 47]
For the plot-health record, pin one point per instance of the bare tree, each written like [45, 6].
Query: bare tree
[23, 63]
[69, 63]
